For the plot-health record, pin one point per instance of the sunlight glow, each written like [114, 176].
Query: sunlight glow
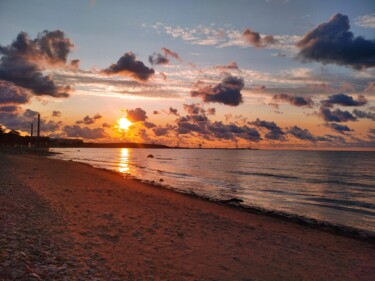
[123, 124]
[123, 166]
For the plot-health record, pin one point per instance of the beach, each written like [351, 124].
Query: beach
[63, 220]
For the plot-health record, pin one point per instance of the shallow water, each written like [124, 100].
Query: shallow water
[328, 186]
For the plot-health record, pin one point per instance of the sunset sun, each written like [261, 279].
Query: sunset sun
[123, 124]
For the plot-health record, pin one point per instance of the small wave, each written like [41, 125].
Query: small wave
[342, 208]
[178, 175]
[354, 184]
[263, 175]
[342, 202]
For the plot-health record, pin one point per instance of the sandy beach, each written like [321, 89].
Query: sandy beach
[68, 221]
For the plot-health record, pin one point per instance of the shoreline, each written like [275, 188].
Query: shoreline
[125, 229]
[342, 230]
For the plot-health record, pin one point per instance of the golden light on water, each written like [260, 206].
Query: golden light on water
[123, 165]
[123, 124]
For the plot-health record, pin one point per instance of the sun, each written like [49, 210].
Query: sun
[123, 124]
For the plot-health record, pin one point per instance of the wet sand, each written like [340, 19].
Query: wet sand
[68, 221]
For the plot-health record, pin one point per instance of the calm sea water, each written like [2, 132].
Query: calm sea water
[328, 186]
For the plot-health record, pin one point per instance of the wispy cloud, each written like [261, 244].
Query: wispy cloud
[366, 21]
[226, 37]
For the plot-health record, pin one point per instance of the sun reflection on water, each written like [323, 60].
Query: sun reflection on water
[123, 165]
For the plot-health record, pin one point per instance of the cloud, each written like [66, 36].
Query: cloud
[223, 37]
[106, 125]
[255, 39]
[193, 109]
[344, 100]
[332, 139]
[11, 94]
[56, 113]
[85, 132]
[156, 58]
[230, 66]
[136, 115]
[371, 134]
[338, 128]
[274, 131]
[24, 61]
[16, 121]
[363, 114]
[9, 108]
[161, 131]
[227, 92]
[366, 21]
[232, 131]
[336, 115]
[87, 120]
[332, 42]
[302, 134]
[128, 65]
[149, 125]
[74, 64]
[170, 53]
[211, 111]
[173, 111]
[370, 87]
[294, 100]
[201, 125]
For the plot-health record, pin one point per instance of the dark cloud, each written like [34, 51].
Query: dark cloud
[173, 111]
[136, 115]
[9, 108]
[74, 64]
[128, 65]
[170, 53]
[201, 125]
[87, 120]
[30, 113]
[24, 61]
[274, 131]
[344, 100]
[11, 94]
[149, 125]
[331, 139]
[336, 115]
[106, 125]
[254, 38]
[338, 128]
[15, 121]
[85, 132]
[232, 132]
[161, 131]
[227, 92]
[194, 108]
[56, 113]
[302, 134]
[156, 58]
[155, 112]
[332, 42]
[363, 114]
[371, 134]
[294, 100]
[211, 111]
[231, 66]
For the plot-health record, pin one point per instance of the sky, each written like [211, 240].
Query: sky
[268, 74]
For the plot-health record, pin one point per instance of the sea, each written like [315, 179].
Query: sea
[334, 188]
